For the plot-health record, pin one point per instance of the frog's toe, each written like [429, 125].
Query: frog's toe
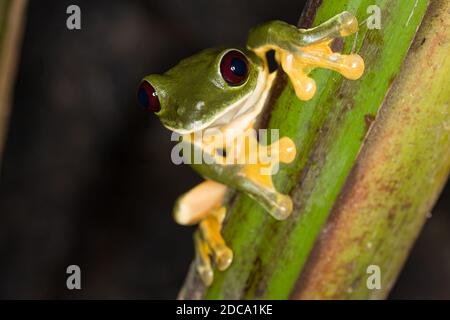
[206, 274]
[348, 24]
[223, 256]
[283, 207]
[299, 64]
[350, 66]
[304, 86]
[211, 232]
[286, 150]
[210, 244]
[203, 260]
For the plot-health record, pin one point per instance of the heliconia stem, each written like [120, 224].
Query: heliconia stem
[372, 157]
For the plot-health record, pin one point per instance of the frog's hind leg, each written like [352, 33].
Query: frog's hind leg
[197, 203]
[210, 231]
[202, 205]
[202, 259]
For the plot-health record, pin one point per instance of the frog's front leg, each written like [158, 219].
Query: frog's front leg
[301, 50]
[255, 177]
[249, 166]
[203, 205]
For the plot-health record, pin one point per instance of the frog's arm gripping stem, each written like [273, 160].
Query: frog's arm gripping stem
[301, 50]
[289, 37]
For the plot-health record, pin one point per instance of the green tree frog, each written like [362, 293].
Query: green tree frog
[225, 89]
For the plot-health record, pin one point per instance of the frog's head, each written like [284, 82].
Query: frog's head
[201, 89]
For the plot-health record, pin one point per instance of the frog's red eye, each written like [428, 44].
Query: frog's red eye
[234, 68]
[148, 97]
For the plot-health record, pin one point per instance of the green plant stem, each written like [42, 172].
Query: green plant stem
[329, 132]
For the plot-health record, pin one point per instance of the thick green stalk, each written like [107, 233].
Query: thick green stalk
[397, 177]
[329, 132]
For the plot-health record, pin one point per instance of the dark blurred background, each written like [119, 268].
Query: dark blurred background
[87, 178]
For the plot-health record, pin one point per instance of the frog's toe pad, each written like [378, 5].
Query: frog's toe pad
[223, 256]
[348, 24]
[298, 66]
[287, 150]
[206, 274]
[283, 207]
[210, 246]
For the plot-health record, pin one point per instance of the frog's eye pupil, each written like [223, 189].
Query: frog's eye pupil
[234, 68]
[148, 98]
[238, 67]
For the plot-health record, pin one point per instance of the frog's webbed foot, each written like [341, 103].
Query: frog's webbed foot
[209, 244]
[256, 176]
[299, 51]
[317, 53]
[298, 64]
[202, 205]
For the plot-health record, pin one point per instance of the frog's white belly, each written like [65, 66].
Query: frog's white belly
[242, 113]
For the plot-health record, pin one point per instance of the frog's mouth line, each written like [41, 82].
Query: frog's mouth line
[248, 106]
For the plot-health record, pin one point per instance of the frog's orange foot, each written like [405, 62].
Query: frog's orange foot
[300, 62]
[258, 176]
[285, 148]
[210, 246]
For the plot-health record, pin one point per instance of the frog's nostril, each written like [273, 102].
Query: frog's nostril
[148, 98]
